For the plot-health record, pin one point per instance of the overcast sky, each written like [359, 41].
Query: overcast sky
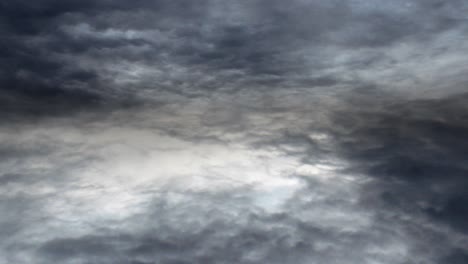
[233, 131]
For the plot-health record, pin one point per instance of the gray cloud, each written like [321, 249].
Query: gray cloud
[233, 132]
[83, 51]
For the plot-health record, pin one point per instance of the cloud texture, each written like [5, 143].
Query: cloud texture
[214, 131]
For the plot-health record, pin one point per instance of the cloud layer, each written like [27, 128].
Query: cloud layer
[233, 132]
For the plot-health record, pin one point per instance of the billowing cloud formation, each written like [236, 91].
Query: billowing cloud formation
[233, 132]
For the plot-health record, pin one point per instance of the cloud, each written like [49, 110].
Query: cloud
[84, 51]
[233, 132]
[320, 189]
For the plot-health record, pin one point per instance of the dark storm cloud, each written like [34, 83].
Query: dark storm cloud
[416, 153]
[47, 45]
[331, 93]
[412, 150]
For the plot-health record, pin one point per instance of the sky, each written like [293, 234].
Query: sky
[241, 131]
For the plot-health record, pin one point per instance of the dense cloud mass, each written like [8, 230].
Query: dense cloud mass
[263, 131]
